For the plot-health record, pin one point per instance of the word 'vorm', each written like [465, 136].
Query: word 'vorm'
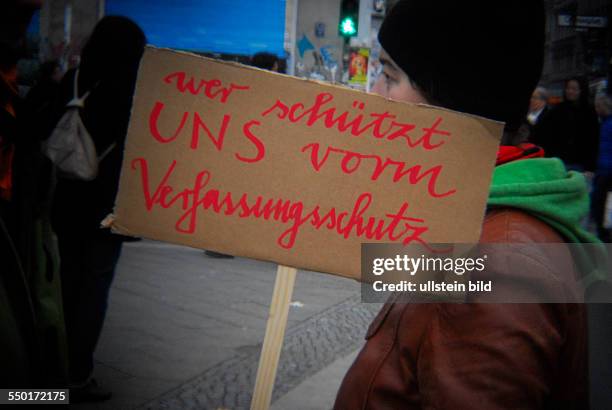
[394, 227]
[351, 162]
[379, 125]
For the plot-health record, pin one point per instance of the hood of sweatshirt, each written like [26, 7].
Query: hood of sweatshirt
[543, 188]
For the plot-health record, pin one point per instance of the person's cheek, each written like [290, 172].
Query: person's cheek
[404, 91]
[380, 87]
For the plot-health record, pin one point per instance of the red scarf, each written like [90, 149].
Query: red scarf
[509, 153]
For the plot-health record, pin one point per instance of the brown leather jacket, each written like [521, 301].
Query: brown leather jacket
[475, 356]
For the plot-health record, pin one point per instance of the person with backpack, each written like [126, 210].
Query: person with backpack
[95, 104]
[483, 58]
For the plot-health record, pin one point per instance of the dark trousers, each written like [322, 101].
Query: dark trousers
[88, 264]
[601, 186]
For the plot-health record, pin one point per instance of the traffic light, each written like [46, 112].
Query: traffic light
[349, 18]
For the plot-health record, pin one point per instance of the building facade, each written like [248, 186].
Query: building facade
[577, 42]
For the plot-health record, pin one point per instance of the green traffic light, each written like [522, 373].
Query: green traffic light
[347, 27]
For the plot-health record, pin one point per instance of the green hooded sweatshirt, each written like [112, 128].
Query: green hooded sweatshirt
[543, 188]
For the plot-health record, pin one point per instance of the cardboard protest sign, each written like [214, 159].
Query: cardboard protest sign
[246, 162]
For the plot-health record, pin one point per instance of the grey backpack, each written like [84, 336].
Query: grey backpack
[70, 146]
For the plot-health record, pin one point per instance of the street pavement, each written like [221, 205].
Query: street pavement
[184, 331]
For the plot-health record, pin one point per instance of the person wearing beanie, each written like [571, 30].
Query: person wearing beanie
[484, 58]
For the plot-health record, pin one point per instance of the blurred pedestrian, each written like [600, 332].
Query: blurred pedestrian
[467, 355]
[89, 255]
[603, 177]
[267, 61]
[32, 336]
[537, 105]
[538, 111]
[46, 89]
[571, 130]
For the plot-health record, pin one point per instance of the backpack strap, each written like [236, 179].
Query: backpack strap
[76, 101]
[106, 151]
[80, 103]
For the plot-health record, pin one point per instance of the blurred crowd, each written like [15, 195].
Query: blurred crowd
[579, 131]
[58, 264]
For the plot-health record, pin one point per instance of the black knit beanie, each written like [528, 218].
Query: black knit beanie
[482, 57]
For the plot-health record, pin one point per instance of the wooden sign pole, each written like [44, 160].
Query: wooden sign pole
[273, 340]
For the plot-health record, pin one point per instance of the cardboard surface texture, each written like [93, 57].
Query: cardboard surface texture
[251, 163]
